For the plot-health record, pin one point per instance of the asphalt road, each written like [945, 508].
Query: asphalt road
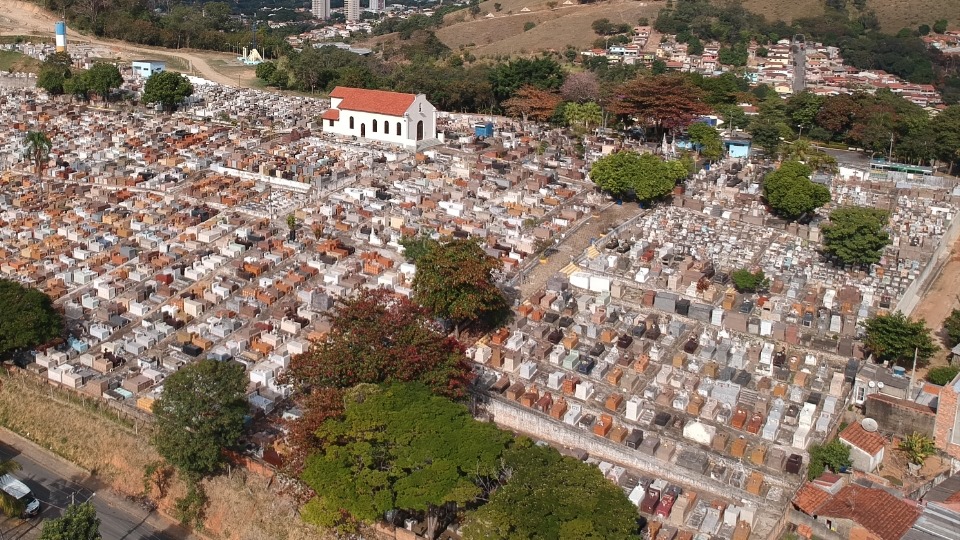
[799, 67]
[119, 519]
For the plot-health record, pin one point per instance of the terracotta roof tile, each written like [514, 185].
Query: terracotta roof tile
[876, 510]
[809, 498]
[331, 114]
[373, 101]
[870, 442]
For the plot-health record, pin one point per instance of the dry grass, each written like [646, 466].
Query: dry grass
[893, 14]
[555, 29]
[241, 507]
[15, 62]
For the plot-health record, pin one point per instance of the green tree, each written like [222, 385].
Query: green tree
[643, 177]
[791, 194]
[415, 247]
[918, 447]
[103, 77]
[54, 71]
[747, 281]
[603, 27]
[27, 319]
[940, 26]
[942, 375]
[551, 496]
[402, 448]
[951, 325]
[803, 108]
[833, 455]
[199, 414]
[707, 138]
[37, 149]
[802, 151]
[582, 116]
[167, 88]
[542, 72]
[292, 222]
[454, 281]
[77, 86]
[856, 235]
[766, 135]
[894, 338]
[529, 25]
[78, 522]
[10, 506]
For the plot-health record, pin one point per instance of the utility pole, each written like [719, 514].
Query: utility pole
[890, 153]
[913, 374]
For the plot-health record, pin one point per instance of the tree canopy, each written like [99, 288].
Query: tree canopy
[542, 72]
[27, 319]
[454, 281]
[376, 337]
[530, 102]
[167, 88]
[833, 454]
[54, 71]
[856, 235]
[102, 78]
[894, 337]
[400, 447]
[667, 102]
[746, 281]
[552, 496]
[942, 375]
[707, 138]
[645, 177]
[199, 414]
[951, 325]
[791, 194]
[78, 522]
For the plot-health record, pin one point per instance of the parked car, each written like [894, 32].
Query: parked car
[18, 490]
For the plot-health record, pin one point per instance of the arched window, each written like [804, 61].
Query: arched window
[386, 128]
[399, 129]
[374, 126]
[351, 122]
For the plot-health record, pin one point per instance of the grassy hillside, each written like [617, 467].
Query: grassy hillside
[555, 28]
[14, 61]
[893, 14]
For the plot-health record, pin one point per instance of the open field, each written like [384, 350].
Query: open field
[893, 14]
[555, 28]
[18, 18]
[14, 61]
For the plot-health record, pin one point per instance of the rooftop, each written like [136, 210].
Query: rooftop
[372, 101]
[870, 442]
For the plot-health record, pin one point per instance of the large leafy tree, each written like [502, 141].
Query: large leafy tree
[551, 496]
[791, 194]
[802, 109]
[27, 319]
[37, 148]
[9, 506]
[167, 88]
[951, 325]
[455, 281]
[530, 102]
[542, 72]
[375, 337]
[400, 448]
[766, 133]
[668, 102]
[582, 116]
[199, 414]
[103, 77]
[78, 522]
[894, 337]
[833, 454]
[707, 138]
[644, 177]
[54, 71]
[856, 235]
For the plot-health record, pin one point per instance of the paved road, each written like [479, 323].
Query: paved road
[56, 484]
[799, 67]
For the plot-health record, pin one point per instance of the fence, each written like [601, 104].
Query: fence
[911, 297]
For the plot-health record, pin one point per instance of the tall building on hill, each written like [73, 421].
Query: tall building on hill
[353, 10]
[377, 6]
[321, 9]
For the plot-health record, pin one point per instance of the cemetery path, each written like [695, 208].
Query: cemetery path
[573, 244]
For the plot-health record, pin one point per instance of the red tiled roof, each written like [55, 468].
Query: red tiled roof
[331, 114]
[809, 498]
[870, 442]
[372, 101]
[874, 509]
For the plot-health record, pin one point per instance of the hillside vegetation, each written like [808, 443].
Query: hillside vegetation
[555, 28]
[892, 14]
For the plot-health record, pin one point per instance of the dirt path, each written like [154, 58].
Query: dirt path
[574, 244]
[22, 18]
[941, 299]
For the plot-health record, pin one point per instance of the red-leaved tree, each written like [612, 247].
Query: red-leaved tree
[530, 102]
[666, 102]
[376, 337]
